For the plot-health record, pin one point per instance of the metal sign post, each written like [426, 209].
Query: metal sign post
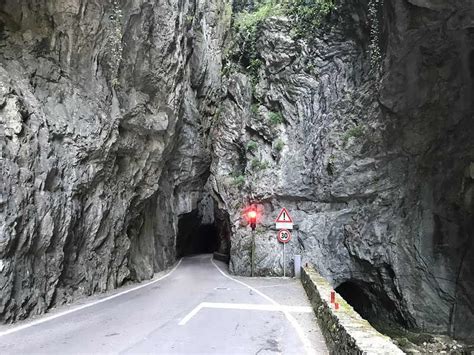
[252, 255]
[284, 236]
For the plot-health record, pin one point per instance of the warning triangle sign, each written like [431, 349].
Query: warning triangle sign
[284, 217]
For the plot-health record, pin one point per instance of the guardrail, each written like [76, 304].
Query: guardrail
[345, 331]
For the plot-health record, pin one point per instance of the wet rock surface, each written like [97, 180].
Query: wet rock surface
[370, 152]
[99, 109]
[118, 117]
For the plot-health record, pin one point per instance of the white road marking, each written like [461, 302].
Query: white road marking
[54, 316]
[258, 307]
[190, 314]
[306, 343]
[245, 306]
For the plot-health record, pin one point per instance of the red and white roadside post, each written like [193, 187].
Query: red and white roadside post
[333, 300]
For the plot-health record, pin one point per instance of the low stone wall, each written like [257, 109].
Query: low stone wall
[346, 332]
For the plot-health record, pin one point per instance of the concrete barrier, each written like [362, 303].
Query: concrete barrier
[345, 331]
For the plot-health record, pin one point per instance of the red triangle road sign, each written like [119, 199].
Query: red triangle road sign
[284, 217]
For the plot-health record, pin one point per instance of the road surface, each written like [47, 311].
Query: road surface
[197, 308]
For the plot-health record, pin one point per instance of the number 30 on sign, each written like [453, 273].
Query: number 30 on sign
[284, 236]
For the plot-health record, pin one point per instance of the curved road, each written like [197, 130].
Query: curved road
[197, 308]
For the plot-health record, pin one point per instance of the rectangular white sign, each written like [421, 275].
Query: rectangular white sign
[286, 225]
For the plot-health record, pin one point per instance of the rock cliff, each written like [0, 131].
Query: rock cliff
[100, 109]
[118, 118]
[363, 130]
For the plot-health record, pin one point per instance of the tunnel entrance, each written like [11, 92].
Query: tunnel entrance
[205, 230]
[194, 237]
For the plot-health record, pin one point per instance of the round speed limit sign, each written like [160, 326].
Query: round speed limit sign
[284, 236]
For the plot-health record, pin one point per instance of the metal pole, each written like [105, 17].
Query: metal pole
[252, 255]
[284, 261]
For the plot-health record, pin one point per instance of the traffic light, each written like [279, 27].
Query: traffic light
[252, 217]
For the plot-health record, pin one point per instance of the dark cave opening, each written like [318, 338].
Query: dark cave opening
[356, 297]
[205, 230]
[371, 303]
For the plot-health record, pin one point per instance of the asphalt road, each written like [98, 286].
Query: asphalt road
[197, 308]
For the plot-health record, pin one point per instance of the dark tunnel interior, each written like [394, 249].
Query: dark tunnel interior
[356, 297]
[371, 303]
[195, 237]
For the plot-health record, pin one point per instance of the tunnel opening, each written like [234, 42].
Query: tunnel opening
[195, 238]
[204, 230]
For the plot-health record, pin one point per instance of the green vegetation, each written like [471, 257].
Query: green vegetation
[276, 118]
[257, 164]
[308, 14]
[254, 109]
[356, 132]
[188, 20]
[115, 82]
[253, 69]
[246, 25]
[403, 342]
[311, 69]
[247, 22]
[238, 181]
[410, 339]
[279, 145]
[217, 114]
[305, 15]
[252, 146]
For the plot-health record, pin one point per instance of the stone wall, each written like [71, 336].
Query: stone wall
[345, 330]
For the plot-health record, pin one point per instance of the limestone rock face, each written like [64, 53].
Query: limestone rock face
[119, 117]
[99, 112]
[370, 149]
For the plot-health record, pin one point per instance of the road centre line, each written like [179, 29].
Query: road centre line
[245, 306]
[54, 316]
[306, 343]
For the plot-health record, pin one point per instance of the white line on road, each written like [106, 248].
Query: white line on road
[258, 307]
[245, 306]
[54, 316]
[306, 343]
[191, 314]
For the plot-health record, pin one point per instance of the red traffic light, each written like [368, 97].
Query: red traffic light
[251, 215]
